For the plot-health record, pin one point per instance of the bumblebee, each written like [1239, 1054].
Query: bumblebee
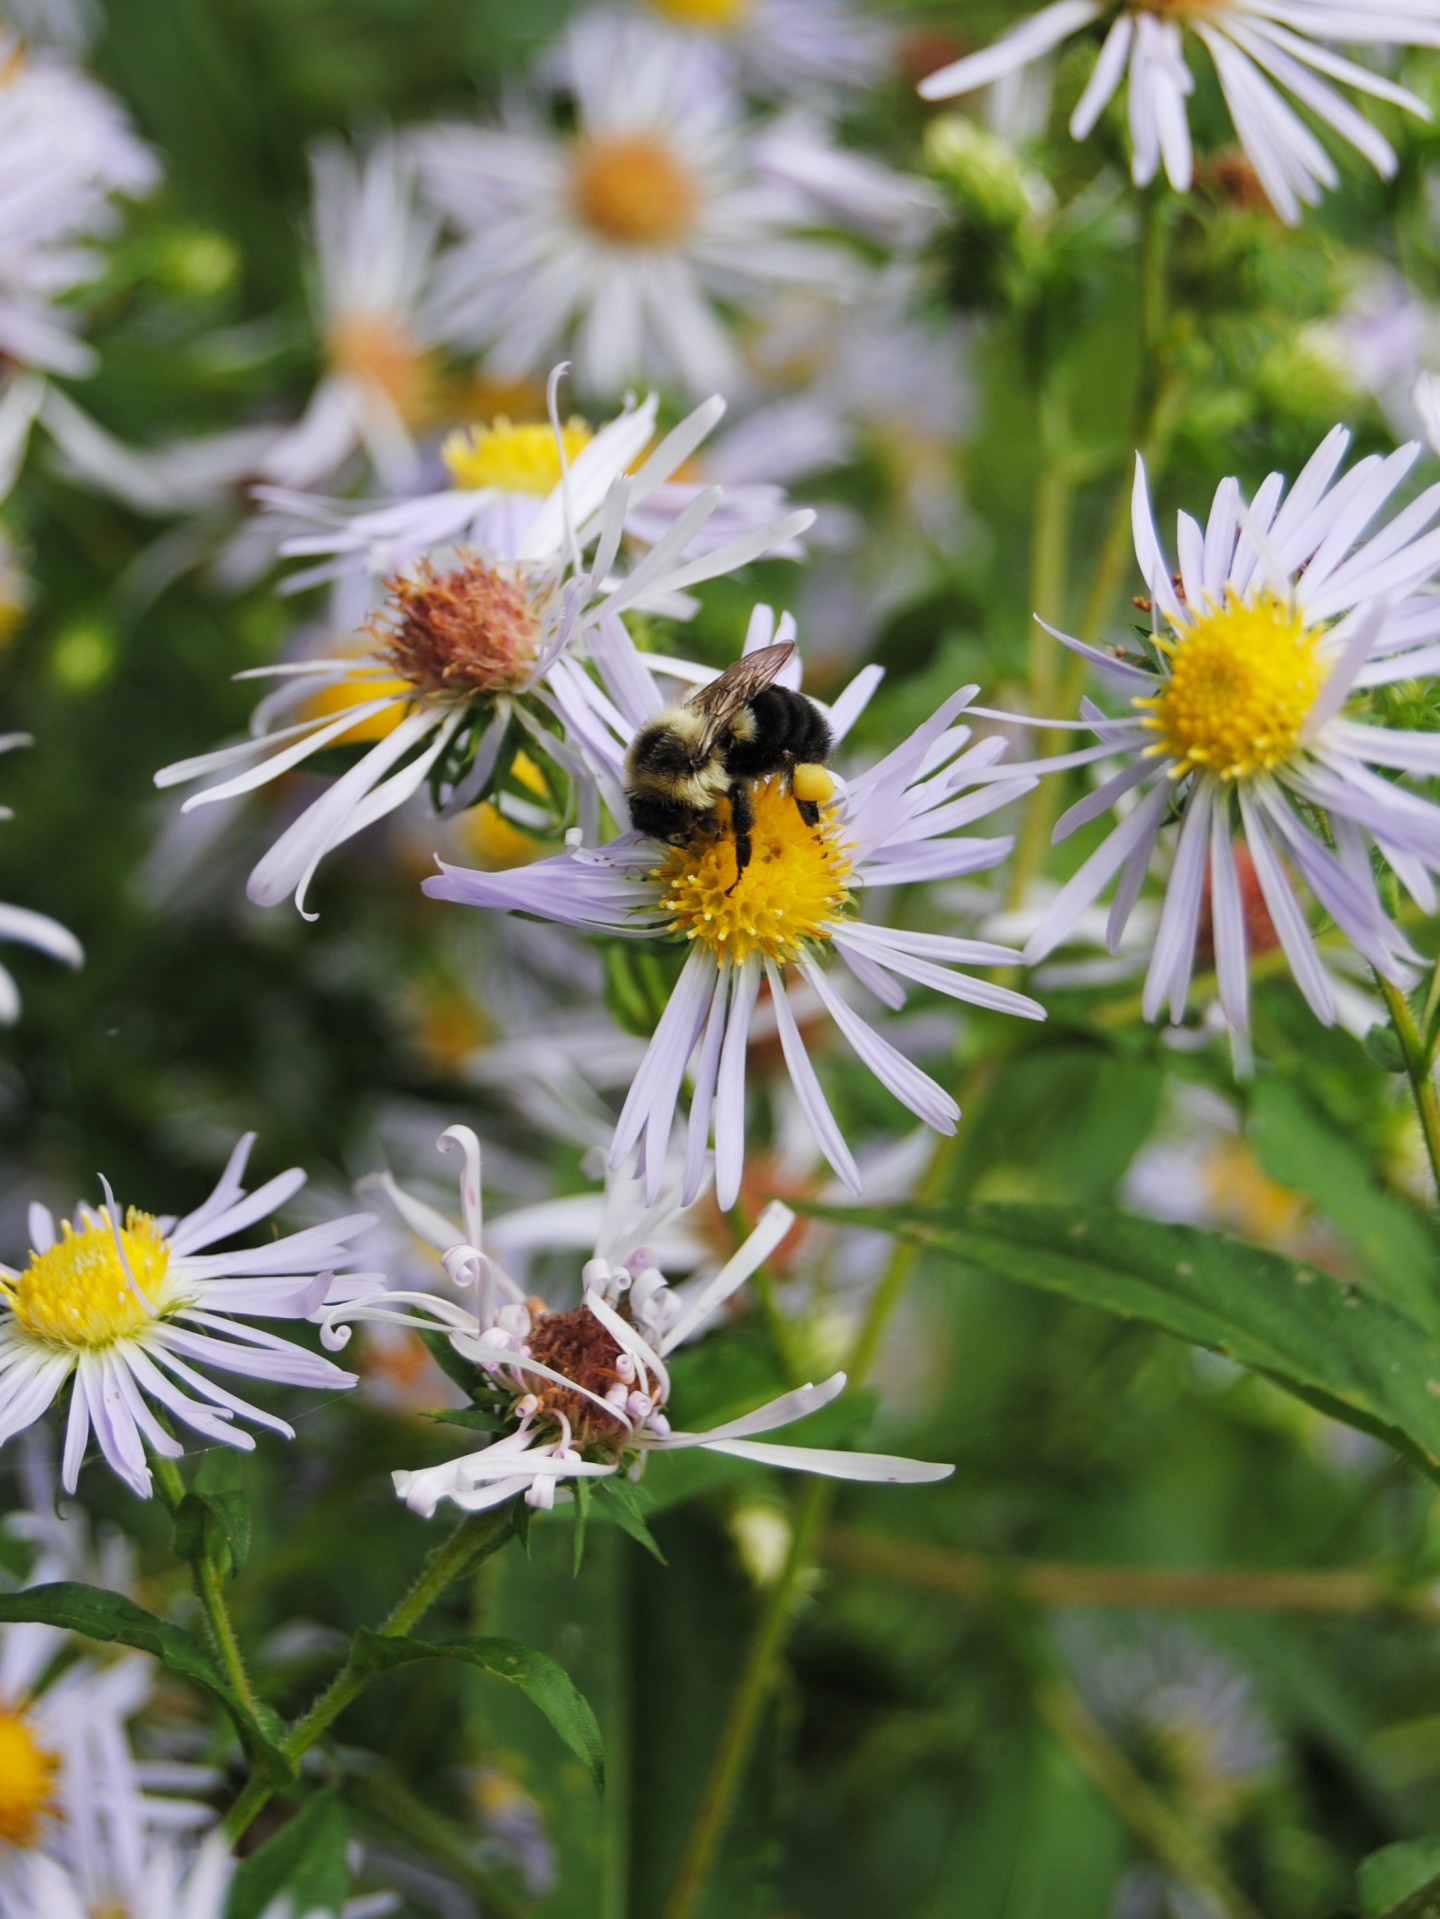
[738, 729]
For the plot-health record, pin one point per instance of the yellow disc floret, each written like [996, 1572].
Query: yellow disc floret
[517, 459]
[633, 191]
[27, 1781]
[1243, 676]
[796, 885]
[718, 15]
[79, 1293]
[334, 697]
[378, 352]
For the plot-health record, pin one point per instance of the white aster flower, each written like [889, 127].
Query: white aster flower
[375, 312]
[1261, 50]
[526, 490]
[793, 908]
[65, 149]
[131, 1306]
[465, 650]
[1281, 612]
[29, 928]
[783, 46]
[587, 1387]
[629, 236]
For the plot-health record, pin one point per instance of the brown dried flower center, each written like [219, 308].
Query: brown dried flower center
[577, 1345]
[472, 629]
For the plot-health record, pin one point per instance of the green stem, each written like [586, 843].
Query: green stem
[473, 1539]
[1418, 1072]
[210, 1591]
[1050, 550]
[762, 1660]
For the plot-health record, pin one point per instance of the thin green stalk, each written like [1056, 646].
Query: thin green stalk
[473, 1539]
[1418, 1070]
[812, 1514]
[210, 1591]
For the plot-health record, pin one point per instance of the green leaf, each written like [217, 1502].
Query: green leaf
[627, 1508]
[1368, 1363]
[474, 1419]
[546, 1684]
[97, 1614]
[464, 1372]
[1401, 1882]
[305, 1861]
[213, 1520]
[1384, 1049]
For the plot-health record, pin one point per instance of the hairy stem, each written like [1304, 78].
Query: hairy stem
[210, 1591]
[1416, 1055]
[473, 1539]
[812, 1513]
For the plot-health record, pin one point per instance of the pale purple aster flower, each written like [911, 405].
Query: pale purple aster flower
[135, 1308]
[1282, 612]
[465, 649]
[587, 1387]
[1261, 50]
[794, 908]
[524, 492]
[627, 240]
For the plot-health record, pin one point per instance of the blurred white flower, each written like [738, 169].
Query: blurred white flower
[130, 1306]
[66, 149]
[29, 928]
[783, 46]
[628, 240]
[375, 308]
[1258, 48]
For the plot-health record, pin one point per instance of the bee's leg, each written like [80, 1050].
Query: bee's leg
[742, 820]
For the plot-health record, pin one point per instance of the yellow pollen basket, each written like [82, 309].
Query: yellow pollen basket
[79, 1295]
[716, 14]
[796, 885]
[27, 1781]
[1243, 677]
[517, 459]
[634, 191]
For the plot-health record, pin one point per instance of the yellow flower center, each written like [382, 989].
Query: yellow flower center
[633, 191]
[796, 885]
[518, 459]
[719, 14]
[79, 1293]
[27, 1781]
[1243, 677]
[379, 352]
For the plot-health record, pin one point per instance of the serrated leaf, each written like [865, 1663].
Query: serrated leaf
[1373, 1365]
[627, 1509]
[546, 1684]
[95, 1613]
[305, 1863]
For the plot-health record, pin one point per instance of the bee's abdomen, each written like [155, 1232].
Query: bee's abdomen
[777, 728]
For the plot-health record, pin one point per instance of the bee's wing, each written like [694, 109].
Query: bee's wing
[737, 685]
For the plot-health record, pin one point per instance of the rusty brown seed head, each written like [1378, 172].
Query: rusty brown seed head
[473, 628]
